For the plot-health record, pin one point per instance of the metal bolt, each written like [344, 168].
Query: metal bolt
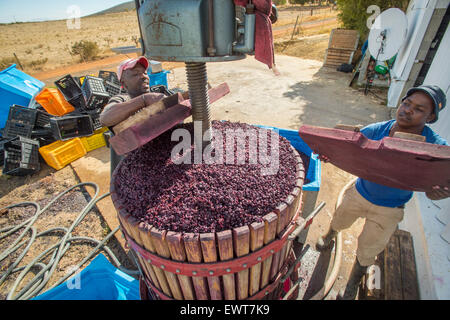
[149, 260]
[194, 272]
[266, 293]
[259, 259]
[272, 251]
[177, 271]
[162, 266]
[211, 273]
[244, 265]
[228, 270]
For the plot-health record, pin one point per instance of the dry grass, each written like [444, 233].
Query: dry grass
[52, 40]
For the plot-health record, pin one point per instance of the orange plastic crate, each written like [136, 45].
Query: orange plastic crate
[60, 153]
[53, 101]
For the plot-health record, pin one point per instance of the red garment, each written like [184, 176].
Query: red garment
[264, 51]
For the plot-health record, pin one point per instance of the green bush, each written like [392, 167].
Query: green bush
[353, 13]
[87, 50]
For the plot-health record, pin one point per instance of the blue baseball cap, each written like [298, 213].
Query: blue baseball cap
[435, 93]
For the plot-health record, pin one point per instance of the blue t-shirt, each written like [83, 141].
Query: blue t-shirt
[379, 194]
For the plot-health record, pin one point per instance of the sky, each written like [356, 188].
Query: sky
[39, 10]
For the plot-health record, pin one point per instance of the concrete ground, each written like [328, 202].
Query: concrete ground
[303, 93]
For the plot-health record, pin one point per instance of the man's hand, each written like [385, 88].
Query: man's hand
[438, 193]
[323, 158]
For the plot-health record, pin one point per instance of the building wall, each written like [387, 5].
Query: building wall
[427, 220]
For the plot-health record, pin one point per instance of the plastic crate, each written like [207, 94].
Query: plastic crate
[16, 87]
[21, 157]
[97, 140]
[60, 153]
[35, 117]
[159, 78]
[2, 150]
[109, 76]
[14, 129]
[69, 87]
[160, 88]
[113, 89]
[95, 117]
[68, 127]
[94, 93]
[54, 102]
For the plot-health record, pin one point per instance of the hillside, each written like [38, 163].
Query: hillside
[126, 6]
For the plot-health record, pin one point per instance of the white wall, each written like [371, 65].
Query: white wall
[421, 214]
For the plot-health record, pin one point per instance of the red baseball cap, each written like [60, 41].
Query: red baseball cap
[130, 64]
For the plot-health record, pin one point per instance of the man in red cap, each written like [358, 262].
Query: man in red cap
[132, 74]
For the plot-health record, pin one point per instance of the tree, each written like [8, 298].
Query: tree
[353, 13]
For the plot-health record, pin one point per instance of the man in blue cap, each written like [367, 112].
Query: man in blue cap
[382, 206]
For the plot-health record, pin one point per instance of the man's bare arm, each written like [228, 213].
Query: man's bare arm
[115, 113]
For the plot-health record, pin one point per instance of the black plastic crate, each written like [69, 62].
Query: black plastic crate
[25, 115]
[113, 89]
[21, 157]
[68, 127]
[2, 150]
[78, 102]
[109, 76]
[14, 129]
[94, 93]
[95, 117]
[160, 88]
[69, 87]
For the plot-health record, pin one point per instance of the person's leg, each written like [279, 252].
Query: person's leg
[380, 224]
[349, 207]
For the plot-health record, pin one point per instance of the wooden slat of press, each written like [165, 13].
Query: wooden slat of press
[194, 254]
[148, 244]
[282, 211]
[408, 266]
[208, 244]
[176, 248]
[225, 246]
[133, 231]
[159, 241]
[256, 242]
[241, 243]
[270, 230]
[392, 270]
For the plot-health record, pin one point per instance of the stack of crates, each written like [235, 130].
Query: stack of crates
[111, 82]
[21, 156]
[2, 150]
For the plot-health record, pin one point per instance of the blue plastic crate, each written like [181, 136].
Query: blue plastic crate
[100, 280]
[159, 78]
[314, 169]
[16, 87]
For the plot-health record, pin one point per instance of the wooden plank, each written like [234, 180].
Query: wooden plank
[159, 241]
[176, 248]
[270, 230]
[408, 266]
[225, 246]
[256, 242]
[392, 270]
[146, 243]
[241, 243]
[194, 254]
[208, 244]
[282, 211]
